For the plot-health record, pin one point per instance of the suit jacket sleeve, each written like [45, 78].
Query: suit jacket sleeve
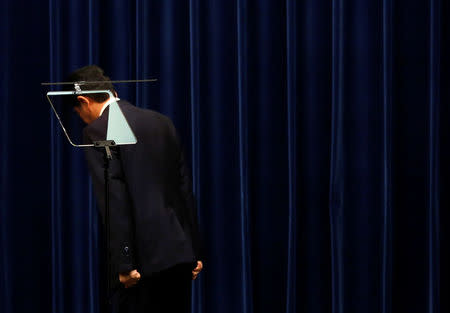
[120, 209]
[186, 192]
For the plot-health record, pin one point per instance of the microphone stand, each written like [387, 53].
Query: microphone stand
[107, 158]
[107, 144]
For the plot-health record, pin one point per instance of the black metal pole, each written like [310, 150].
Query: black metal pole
[107, 228]
[107, 158]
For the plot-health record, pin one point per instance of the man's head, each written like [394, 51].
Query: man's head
[88, 106]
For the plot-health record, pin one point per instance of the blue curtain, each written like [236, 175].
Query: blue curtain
[318, 134]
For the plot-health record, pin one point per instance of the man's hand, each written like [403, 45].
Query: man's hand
[129, 279]
[197, 270]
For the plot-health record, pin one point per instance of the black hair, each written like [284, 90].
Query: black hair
[86, 74]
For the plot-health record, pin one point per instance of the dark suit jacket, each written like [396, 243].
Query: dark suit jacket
[153, 219]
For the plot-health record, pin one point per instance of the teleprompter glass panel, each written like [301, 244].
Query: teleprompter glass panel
[118, 128]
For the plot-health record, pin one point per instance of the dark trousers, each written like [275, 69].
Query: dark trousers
[166, 291]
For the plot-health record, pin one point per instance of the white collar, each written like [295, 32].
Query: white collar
[108, 103]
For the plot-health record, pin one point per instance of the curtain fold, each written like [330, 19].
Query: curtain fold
[242, 90]
[198, 287]
[336, 214]
[291, 77]
[434, 160]
[5, 269]
[386, 227]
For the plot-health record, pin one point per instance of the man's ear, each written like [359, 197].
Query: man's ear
[83, 100]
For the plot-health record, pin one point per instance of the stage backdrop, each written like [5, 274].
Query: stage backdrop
[318, 133]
